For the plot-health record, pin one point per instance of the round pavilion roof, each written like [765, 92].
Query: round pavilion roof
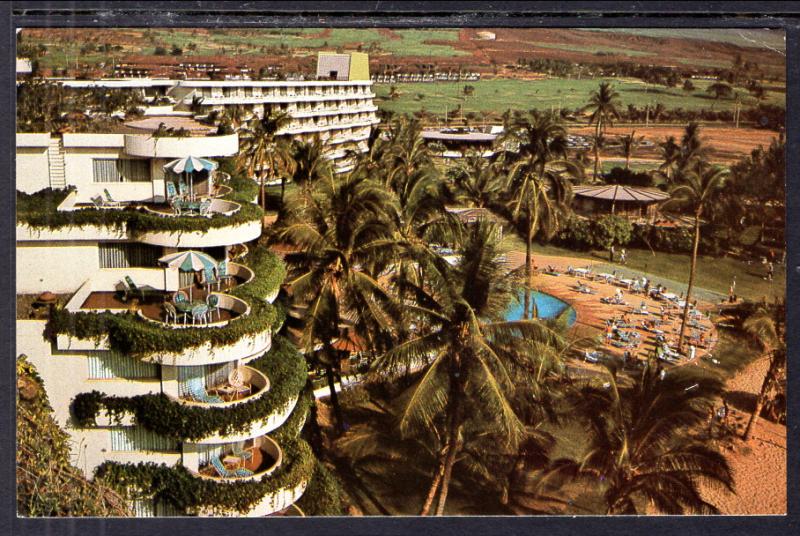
[620, 192]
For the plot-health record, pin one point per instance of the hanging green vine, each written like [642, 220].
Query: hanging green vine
[40, 210]
[187, 493]
[283, 365]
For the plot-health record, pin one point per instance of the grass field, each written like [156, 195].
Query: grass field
[498, 95]
[594, 50]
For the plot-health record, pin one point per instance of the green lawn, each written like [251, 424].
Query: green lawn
[714, 274]
[498, 95]
[595, 50]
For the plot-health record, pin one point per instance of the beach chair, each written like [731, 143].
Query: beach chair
[198, 392]
[110, 200]
[225, 473]
[131, 288]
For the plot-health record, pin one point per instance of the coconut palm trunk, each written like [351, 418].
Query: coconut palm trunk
[762, 397]
[437, 480]
[453, 425]
[692, 271]
[329, 374]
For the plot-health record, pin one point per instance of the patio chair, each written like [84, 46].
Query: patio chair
[205, 208]
[212, 301]
[198, 392]
[219, 467]
[183, 189]
[172, 193]
[110, 201]
[180, 297]
[211, 279]
[170, 312]
[242, 453]
[200, 314]
[177, 205]
[237, 382]
[222, 273]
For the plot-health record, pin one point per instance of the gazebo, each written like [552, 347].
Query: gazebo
[632, 202]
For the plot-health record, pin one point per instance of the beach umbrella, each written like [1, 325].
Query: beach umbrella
[189, 165]
[189, 261]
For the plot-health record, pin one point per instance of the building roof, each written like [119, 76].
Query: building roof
[458, 136]
[620, 192]
[151, 124]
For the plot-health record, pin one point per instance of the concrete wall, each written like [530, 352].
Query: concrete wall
[60, 267]
[33, 169]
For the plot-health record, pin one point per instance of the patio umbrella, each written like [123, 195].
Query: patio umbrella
[189, 261]
[189, 165]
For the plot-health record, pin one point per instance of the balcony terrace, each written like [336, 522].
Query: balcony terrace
[259, 457]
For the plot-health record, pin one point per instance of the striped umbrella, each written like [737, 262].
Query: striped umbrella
[189, 261]
[190, 165]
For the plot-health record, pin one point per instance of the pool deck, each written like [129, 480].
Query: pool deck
[592, 313]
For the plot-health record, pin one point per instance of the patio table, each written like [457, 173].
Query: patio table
[231, 460]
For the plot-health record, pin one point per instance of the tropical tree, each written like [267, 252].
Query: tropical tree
[696, 190]
[311, 163]
[538, 181]
[343, 242]
[630, 143]
[603, 103]
[467, 354]
[762, 326]
[645, 444]
[720, 90]
[477, 182]
[263, 153]
[670, 155]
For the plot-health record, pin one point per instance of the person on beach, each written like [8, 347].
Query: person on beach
[622, 256]
[611, 254]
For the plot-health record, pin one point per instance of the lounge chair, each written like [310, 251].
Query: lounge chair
[110, 201]
[131, 288]
[198, 392]
[225, 473]
[97, 201]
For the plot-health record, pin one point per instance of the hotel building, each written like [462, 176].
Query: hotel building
[198, 389]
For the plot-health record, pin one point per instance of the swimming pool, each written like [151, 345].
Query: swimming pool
[548, 307]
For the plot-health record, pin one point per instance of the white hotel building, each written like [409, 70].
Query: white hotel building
[101, 345]
[338, 106]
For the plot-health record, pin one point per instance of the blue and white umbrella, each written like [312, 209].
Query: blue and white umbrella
[190, 165]
[189, 261]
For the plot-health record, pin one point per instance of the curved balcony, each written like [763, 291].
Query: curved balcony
[147, 146]
[217, 236]
[256, 428]
[254, 385]
[218, 207]
[229, 309]
[263, 456]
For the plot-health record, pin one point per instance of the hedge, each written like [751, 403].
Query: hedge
[187, 493]
[323, 496]
[129, 334]
[40, 210]
[283, 365]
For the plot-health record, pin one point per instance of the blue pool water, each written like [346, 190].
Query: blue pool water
[548, 307]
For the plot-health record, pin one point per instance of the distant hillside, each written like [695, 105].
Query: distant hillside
[294, 49]
[47, 484]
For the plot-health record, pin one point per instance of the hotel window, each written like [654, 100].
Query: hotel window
[128, 255]
[136, 438]
[110, 365]
[118, 170]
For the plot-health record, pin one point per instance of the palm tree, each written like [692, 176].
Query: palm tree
[262, 149]
[696, 190]
[603, 103]
[598, 142]
[670, 154]
[344, 241]
[645, 444]
[629, 144]
[477, 182]
[465, 351]
[538, 181]
[311, 163]
[762, 326]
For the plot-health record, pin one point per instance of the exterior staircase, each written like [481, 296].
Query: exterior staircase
[55, 157]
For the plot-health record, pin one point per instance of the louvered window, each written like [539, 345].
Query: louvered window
[120, 170]
[110, 365]
[127, 255]
[136, 438]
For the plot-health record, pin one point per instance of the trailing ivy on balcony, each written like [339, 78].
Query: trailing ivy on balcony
[40, 210]
[283, 365]
[187, 493]
[129, 334]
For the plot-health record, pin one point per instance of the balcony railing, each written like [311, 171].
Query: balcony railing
[263, 456]
[252, 385]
